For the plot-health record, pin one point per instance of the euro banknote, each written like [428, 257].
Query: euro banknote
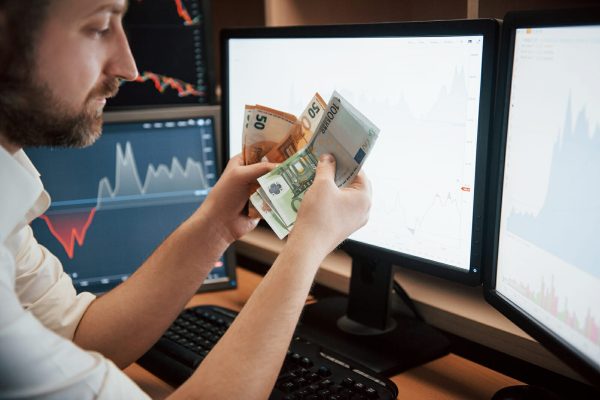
[264, 128]
[300, 133]
[345, 133]
[273, 135]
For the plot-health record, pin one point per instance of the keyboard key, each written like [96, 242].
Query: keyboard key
[288, 386]
[306, 362]
[371, 393]
[335, 388]
[183, 355]
[301, 382]
[312, 377]
[348, 382]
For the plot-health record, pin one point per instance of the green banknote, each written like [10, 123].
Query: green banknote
[344, 132]
[269, 215]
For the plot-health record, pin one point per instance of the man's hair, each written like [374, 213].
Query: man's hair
[20, 23]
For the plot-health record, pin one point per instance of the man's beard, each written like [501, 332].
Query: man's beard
[36, 117]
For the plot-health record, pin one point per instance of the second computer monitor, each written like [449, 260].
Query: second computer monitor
[114, 202]
[427, 86]
[544, 259]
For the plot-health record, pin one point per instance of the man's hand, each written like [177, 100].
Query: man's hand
[225, 203]
[328, 214]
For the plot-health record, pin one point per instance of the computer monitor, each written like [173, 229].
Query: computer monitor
[428, 87]
[171, 43]
[113, 203]
[544, 266]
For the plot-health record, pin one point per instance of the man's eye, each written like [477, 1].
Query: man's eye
[102, 32]
[99, 32]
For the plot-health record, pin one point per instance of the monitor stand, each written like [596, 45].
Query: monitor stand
[363, 327]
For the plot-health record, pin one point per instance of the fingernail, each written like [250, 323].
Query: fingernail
[326, 158]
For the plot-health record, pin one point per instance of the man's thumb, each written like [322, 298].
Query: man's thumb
[326, 167]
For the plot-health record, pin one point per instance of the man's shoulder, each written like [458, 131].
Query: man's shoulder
[23, 196]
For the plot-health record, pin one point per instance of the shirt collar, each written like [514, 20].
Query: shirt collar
[23, 196]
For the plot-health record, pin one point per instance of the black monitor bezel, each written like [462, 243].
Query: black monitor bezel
[207, 47]
[514, 20]
[489, 29]
[162, 114]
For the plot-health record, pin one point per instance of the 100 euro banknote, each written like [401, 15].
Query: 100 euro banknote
[343, 132]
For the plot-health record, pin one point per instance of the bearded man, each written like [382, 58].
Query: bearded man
[59, 62]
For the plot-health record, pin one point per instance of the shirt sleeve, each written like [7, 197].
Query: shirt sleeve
[42, 286]
[36, 363]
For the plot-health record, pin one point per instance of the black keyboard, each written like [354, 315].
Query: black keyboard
[309, 372]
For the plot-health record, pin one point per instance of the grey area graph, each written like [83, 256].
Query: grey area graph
[162, 183]
[571, 203]
[145, 173]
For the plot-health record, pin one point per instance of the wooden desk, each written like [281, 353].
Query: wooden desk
[449, 377]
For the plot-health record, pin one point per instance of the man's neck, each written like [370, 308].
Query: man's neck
[8, 146]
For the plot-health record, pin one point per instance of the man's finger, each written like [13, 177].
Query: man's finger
[234, 161]
[361, 181]
[252, 172]
[326, 167]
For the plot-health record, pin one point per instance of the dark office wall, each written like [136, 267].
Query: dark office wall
[243, 13]
[497, 9]
[230, 14]
[363, 11]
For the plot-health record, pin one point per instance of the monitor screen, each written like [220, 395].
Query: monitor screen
[170, 43]
[421, 87]
[548, 258]
[113, 203]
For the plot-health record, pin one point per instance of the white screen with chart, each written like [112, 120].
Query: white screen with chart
[548, 254]
[422, 92]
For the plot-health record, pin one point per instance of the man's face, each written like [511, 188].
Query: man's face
[79, 57]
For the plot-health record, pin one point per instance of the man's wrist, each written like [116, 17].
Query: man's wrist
[306, 242]
[216, 238]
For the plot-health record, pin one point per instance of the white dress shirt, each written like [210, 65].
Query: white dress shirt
[39, 308]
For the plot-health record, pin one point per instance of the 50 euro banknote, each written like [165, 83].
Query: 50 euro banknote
[343, 132]
[272, 135]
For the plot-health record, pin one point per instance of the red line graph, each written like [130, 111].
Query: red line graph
[183, 13]
[162, 82]
[70, 228]
[187, 20]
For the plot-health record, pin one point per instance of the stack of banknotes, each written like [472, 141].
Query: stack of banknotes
[336, 128]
